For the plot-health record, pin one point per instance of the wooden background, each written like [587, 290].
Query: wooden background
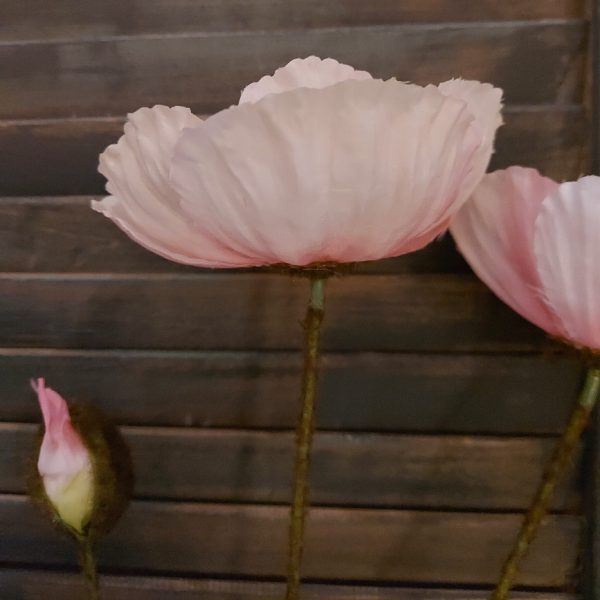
[439, 405]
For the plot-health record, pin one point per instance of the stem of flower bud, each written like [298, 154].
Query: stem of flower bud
[304, 434]
[562, 456]
[88, 567]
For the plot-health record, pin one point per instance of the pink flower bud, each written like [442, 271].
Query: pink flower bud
[64, 462]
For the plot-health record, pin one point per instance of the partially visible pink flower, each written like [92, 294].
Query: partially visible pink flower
[64, 462]
[318, 163]
[536, 244]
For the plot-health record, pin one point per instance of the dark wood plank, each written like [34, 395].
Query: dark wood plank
[21, 584]
[373, 392]
[39, 19]
[443, 472]
[69, 149]
[359, 545]
[257, 311]
[553, 141]
[534, 63]
[64, 235]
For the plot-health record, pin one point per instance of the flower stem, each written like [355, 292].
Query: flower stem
[561, 457]
[304, 434]
[88, 567]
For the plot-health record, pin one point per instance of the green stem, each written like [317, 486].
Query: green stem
[88, 567]
[561, 458]
[304, 434]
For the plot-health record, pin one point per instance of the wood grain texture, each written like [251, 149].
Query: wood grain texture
[534, 63]
[38, 19]
[21, 584]
[63, 234]
[358, 545]
[366, 391]
[552, 141]
[257, 311]
[443, 472]
[67, 149]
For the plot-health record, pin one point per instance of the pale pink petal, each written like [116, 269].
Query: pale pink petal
[142, 202]
[311, 72]
[356, 171]
[54, 409]
[567, 249]
[484, 100]
[419, 242]
[485, 103]
[62, 453]
[494, 232]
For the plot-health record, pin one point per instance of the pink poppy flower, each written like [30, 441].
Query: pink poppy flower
[317, 163]
[64, 462]
[536, 244]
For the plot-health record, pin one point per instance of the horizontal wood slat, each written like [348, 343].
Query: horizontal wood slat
[39, 19]
[359, 545]
[252, 311]
[373, 392]
[534, 63]
[64, 235]
[553, 141]
[68, 149]
[451, 472]
[21, 584]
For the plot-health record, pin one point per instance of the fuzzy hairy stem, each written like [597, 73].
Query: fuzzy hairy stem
[88, 567]
[304, 434]
[560, 460]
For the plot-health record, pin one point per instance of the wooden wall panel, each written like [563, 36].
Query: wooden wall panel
[64, 19]
[498, 394]
[257, 311]
[34, 585]
[207, 72]
[462, 472]
[438, 404]
[359, 545]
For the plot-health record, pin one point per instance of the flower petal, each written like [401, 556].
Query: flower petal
[356, 171]
[311, 72]
[142, 203]
[567, 249]
[494, 232]
[54, 409]
[62, 450]
[485, 103]
[64, 462]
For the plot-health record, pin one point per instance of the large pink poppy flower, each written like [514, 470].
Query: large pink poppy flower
[536, 244]
[317, 163]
